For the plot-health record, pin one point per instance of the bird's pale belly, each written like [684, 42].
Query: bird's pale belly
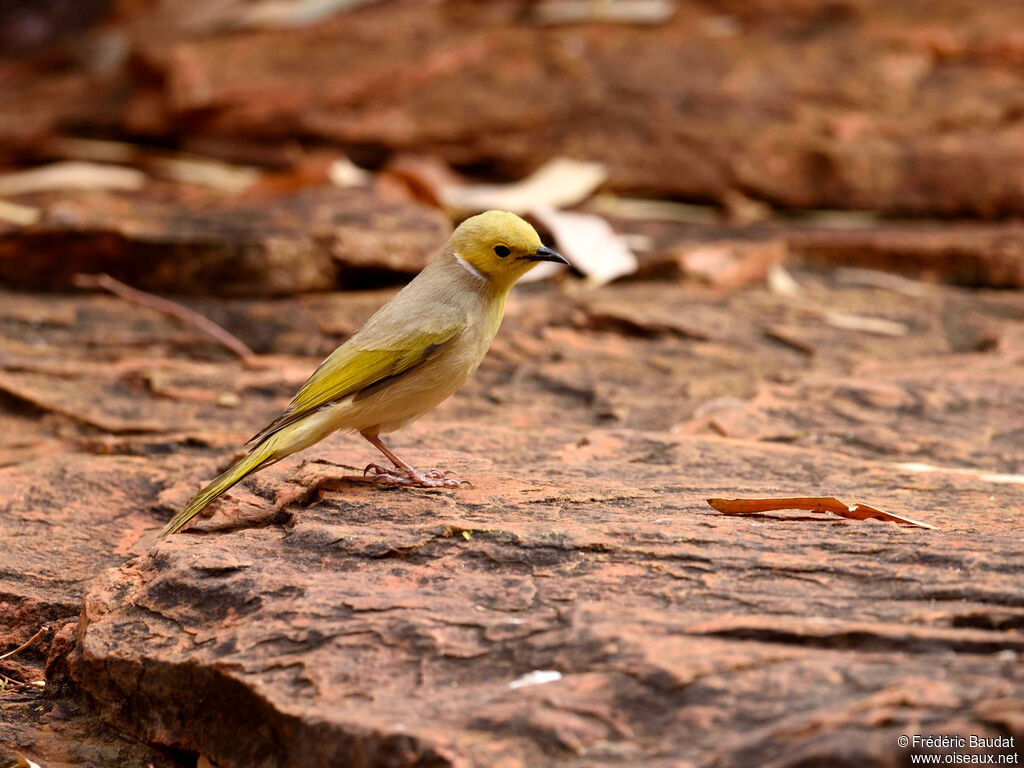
[399, 403]
[411, 395]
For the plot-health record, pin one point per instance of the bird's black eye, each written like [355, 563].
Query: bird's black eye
[502, 251]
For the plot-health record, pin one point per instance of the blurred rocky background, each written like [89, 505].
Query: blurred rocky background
[797, 237]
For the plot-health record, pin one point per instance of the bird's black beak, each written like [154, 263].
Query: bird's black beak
[546, 254]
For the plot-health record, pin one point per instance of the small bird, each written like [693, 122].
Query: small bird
[410, 356]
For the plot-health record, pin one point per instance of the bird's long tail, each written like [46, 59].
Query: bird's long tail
[261, 456]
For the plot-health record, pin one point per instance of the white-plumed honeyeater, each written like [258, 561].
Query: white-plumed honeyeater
[410, 356]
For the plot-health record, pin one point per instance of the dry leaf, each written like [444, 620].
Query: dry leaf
[344, 173]
[282, 14]
[609, 11]
[178, 166]
[811, 504]
[781, 282]
[93, 150]
[875, 325]
[71, 175]
[537, 677]
[205, 172]
[19, 215]
[557, 184]
[589, 243]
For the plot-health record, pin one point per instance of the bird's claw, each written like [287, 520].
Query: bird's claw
[379, 470]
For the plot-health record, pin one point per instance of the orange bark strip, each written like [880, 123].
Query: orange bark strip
[819, 504]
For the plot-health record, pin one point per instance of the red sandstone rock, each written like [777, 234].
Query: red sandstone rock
[402, 628]
[862, 104]
[579, 601]
[313, 240]
[388, 626]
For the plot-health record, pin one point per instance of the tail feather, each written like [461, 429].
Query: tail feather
[259, 457]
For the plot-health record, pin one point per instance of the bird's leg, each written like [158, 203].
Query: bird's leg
[404, 473]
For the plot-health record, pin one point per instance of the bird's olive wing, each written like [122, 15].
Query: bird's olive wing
[353, 369]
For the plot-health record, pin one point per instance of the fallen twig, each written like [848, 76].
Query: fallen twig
[13, 684]
[8, 683]
[167, 307]
[811, 504]
[25, 645]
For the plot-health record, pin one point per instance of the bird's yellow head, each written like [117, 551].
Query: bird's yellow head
[499, 247]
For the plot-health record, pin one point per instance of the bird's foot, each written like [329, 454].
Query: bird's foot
[432, 478]
[379, 470]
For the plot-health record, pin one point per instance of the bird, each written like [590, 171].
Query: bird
[410, 356]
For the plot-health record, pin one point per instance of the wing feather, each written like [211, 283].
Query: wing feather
[366, 359]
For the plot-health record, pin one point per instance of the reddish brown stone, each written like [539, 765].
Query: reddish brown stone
[387, 626]
[864, 104]
[394, 625]
[966, 254]
[309, 620]
[314, 240]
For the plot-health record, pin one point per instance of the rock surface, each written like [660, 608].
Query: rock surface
[579, 602]
[860, 104]
[378, 627]
[314, 240]
[587, 606]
